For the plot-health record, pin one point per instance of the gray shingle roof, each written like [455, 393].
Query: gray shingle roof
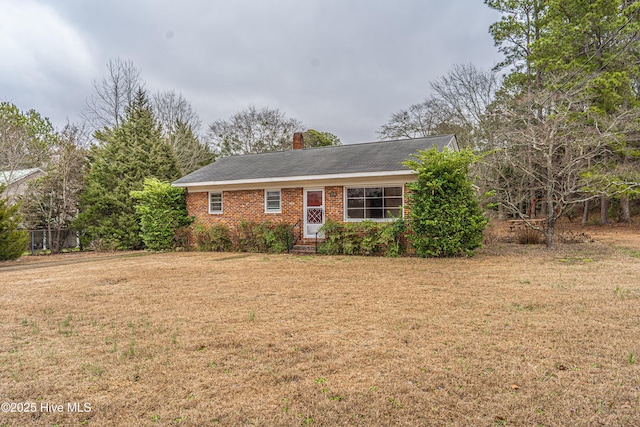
[9, 177]
[384, 156]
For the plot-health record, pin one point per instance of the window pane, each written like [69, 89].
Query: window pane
[374, 213]
[273, 200]
[392, 191]
[355, 213]
[314, 198]
[355, 192]
[374, 192]
[393, 213]
[215, 202]
[392, 202]
[374, 203]
[355, 203]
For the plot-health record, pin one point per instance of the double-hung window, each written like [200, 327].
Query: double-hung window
[375, 203]
[273, 201]
[215, 202]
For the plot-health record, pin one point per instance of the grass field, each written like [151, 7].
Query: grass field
[517, 335]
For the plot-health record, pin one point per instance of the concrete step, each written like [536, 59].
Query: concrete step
[303, 249]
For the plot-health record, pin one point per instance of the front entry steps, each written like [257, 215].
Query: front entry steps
[303, 250]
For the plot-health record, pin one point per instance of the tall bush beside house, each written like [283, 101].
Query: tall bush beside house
[445, 218]
[124, 156]
[13, 241]
[162, 210]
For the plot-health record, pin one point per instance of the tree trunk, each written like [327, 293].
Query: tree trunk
[57, 244]
[585, 213]
[50, 238]
[550, 232]
[604, 210]
[532, 191]
[626, 211]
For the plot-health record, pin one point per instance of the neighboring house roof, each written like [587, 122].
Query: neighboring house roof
[10, 177]
[366, 159]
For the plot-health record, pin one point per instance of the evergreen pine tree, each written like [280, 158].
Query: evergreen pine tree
[13, 241]
[126, 156]
[190, 152]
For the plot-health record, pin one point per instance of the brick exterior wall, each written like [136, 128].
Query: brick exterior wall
[334, 203]
[406, 203]
[248, 205]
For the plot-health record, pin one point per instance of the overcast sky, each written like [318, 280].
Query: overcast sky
[342, 66]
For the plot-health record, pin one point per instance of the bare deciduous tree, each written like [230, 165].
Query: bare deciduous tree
[172, 108]
[458, 105]
[419, 120]
[467, 92]
[179, 124]
[253, 130]
[13, 153]
[52, 200]
[550, 151]
[107, 105]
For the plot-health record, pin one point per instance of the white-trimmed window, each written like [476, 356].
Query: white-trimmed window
[373, 203]
[215, 202]
[272, 201]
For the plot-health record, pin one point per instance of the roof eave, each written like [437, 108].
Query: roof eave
[404, 172]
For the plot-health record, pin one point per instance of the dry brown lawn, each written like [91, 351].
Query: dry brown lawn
[517, 335]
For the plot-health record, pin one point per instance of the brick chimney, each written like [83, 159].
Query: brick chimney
[298, 141]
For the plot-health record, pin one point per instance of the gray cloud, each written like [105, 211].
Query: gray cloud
[341, 66]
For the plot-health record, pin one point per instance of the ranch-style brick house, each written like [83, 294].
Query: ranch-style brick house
[307, 186]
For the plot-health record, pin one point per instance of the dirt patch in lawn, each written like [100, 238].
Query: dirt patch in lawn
[68, 258]
[517, 335]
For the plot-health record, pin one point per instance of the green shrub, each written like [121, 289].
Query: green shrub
[445, 217]
[201, 236]
[247, 237]
[352, 241]
[363, 238]
[163, 210]
[333, 236]
[13, 241]
[220, 236]
[391, 238]
[266, 237]
[183, 238]
[279, 238]
[216, 238]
